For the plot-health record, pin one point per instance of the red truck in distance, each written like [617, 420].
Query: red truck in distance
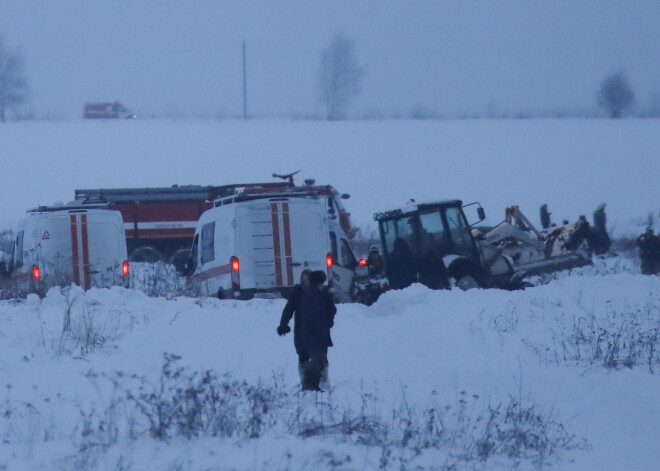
[107, 111]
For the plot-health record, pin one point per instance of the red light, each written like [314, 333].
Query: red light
[234, 264]
[328, 260]
[124, 268]
[35, 272]
[363, 261]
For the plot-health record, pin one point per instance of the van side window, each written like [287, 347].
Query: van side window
[18, 250]
[208, 234]
[194, 254]
[347, 257]
[333, 247]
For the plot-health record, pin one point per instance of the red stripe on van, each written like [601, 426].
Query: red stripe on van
[75, 258]
[287, 244]
[277, 251]
[85, 250]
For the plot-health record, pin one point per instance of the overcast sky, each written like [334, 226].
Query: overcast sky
[454, 58]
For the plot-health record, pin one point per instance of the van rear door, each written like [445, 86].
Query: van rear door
[54, 249]
[85, 248]
[79, 256]
[106, 248]
[279, 239]
[308, 246]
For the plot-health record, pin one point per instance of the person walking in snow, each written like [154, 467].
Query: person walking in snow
[649, 252]
[313, 310]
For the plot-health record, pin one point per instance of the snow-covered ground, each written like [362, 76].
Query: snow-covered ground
[564, 375]
[560, 376]
[572, 165]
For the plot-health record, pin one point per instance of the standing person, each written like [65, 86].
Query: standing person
[314, 312]
[599, 240]
[600, 219]
[649, 252]
[292, 309]
[374, 261]
[545, 216]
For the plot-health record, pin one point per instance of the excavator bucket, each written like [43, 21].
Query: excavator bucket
[533, 253]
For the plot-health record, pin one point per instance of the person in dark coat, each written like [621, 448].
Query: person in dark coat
[598, 239]
[314, 311]
[374, 261]
[600, 218]
[649, 252]
[292, 310]
[579, 234]
[545, 216]
[401, 267]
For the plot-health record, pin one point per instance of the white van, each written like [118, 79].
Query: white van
[258, 246]
[57, 246]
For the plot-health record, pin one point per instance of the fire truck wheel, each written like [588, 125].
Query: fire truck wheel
[145, 254]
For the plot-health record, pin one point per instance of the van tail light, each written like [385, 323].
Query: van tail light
[124, 268]
[235, 274]
[362, 262]
[36, 273]
[329, 261]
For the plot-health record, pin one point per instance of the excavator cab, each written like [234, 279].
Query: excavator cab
[422, 241]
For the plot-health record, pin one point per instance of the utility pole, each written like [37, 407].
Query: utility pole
[244, 85]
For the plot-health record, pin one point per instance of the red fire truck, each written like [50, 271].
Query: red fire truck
[107, 111]
[160, 222]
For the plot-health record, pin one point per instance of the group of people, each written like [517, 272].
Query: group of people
[596, 235]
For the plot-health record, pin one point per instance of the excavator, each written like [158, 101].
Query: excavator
[434, 244]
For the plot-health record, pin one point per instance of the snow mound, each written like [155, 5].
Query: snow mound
[563, 376]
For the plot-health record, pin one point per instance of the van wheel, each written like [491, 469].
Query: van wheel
[145, 254]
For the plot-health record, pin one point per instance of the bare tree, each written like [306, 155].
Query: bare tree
[615, 95]
[339, 77]
[13, 86]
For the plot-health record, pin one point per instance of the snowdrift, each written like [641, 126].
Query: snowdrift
[560, 376]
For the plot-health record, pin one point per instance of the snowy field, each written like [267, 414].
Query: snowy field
[572, 165]
[561, 376]
[564, 376]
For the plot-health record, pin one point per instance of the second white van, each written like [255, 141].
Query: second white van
[258, 247]
[57, 246]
